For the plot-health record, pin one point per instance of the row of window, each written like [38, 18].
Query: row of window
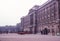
[48, 15]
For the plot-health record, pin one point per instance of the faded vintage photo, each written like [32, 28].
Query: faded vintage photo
[29, 20]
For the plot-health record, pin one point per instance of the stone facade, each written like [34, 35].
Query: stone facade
[25, 22]
[29, 22]
[44, 16]
[48, 16]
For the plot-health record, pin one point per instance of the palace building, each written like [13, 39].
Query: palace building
[48, 16]
[44, 16]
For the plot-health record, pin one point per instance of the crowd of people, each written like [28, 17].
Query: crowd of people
[45, 31]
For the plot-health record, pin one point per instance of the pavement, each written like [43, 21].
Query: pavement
[28, 37]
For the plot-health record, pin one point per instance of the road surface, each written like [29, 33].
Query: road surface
[26, 37]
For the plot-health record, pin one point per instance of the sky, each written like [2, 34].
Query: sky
[12, 10]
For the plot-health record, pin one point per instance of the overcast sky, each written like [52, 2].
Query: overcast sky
[12, 10]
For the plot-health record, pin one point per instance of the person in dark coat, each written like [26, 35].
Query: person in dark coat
[45, 31]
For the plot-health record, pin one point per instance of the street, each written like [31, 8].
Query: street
[28, 37]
